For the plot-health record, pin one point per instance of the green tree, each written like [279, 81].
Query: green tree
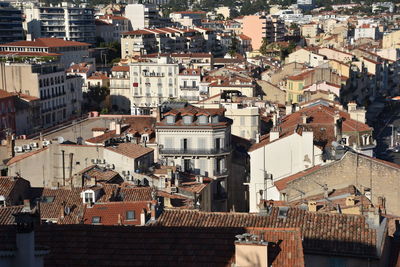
[264, 46]
[234, 47]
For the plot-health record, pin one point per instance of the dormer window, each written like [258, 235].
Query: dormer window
[130, 215]
[88, 196]
[203, 119]
[145, 138]
[170, 119]
[187, 119]
[96, 219]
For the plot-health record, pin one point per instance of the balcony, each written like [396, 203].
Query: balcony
[189, 88]
[153, 74]
[212, 151]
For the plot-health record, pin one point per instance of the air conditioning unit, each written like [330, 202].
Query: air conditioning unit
[18, 149]
[34, 145]
[124, 173]
[110, 166]
[26, 147]
[103, 161]
[94, 161]
[46, 143]
[174, 189]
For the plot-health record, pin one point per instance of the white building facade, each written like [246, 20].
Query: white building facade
[277, 158]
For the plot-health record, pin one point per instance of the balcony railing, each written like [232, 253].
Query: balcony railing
[211, 151]
[192, 88]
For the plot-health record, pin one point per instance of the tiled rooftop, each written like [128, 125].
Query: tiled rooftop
[350, 233]
[89, 245]
[131, 150]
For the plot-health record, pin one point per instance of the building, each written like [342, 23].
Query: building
[198, 141]
[166, 40]
[189, 84]
[68, 52]
[10, 23]
[105, 31]
[83, 70]
[259, 27]
[28, 118]
[152, 82]
[120, 89]
[366, 31]
[98, 79]
[188, 18]
[64, 21]
[7, 114]
[144, 16]
[372, 178]
[119, 25]
[313, 227]
[305, 138]
[60, 95]
[246, 120]
[306, 4]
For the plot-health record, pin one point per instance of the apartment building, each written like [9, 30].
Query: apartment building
[60, 95]
[246, 120]
[259, 27]
[10, 23]
[64, 21]
[120, 89]
[189, 82]
[68, 51]
[198, 141]
[188, 18]
[152, 82]
[165, 40]
[119, 25]
[144, 16]
[7, 114]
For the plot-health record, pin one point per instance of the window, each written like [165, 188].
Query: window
[47, 199]
[242, 120]
[187, 119]
[96, 219]
[130, 215]
[170, 119]
[88, 197]
[203, 119]
[2, 201]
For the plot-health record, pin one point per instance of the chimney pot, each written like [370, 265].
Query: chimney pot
[312, 206]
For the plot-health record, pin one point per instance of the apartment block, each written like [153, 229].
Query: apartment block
[64, 21]
[259, 27]
[152, 82]
[198, 141]
[60, 95]
[10, 23]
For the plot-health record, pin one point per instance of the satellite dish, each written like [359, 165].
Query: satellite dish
[60, 140]
[335, 144]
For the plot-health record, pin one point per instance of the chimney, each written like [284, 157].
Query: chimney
[274, 134]
[62, 214]
[350, 201]
[274, 119]
[112, 125]
[27, 206]
[118, 128]
[10, 145]
[142, 218]
[258, 138]
[337, 120]
[351, 106]
[289, 109]
[153, 210]
[249, 252]
[119, 219]
[312, 206]
[304, 118]
[25, 239]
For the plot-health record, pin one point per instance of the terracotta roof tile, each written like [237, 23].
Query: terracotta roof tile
[120, 68]
[46, 42]
[5, 94]
[317, 229]
[86, 245]
[6, 214]
[131, 150]
[115, 213]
